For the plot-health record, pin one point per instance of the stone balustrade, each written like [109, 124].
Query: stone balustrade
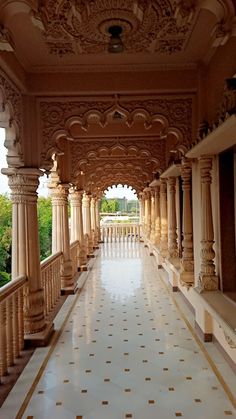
[51, 282]
[120, 232]
[12, 323]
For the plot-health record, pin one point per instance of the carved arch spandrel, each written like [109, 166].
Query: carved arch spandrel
[57, 117]
[127, 160]
[11, 110]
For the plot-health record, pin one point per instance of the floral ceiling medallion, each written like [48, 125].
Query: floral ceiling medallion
[82, 27]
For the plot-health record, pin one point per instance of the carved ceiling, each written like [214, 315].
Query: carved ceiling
[155, 32]
[82, 26]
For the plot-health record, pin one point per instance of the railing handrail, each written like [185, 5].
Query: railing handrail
[12, 286]
[74, 244]
[120, 224]
[50, 259]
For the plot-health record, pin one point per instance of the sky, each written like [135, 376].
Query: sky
[120, 192]
[114, 192]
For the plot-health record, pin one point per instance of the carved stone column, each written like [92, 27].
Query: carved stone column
[23, 183]
[187, 263]
[147, 212]
[172, 223]
[87, 221]
[164, 224]
[98, 219]
[208, 281]
[74, 207]
[77, 232]
[60, 232]
[93, 221]
[153, 215]
[145, 205]
[158, 218]
[142, 214]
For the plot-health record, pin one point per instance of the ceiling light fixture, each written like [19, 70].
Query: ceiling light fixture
[115, 45]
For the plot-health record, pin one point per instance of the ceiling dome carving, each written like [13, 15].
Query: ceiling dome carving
[82, 26]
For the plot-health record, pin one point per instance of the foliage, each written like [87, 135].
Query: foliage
[45, 233]
[5, 234]
[111, 205]
[45, 227]
[4, 278]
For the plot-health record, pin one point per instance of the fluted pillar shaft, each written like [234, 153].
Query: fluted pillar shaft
[153, 215]
[187, 264]
[23, 183]
[147, 213]
[172, 222]
[87, 220]
[164, 223]
[93, 214]
[207, 278]
[142, 213]
[74, 210]
[97, 210]
[158, 218]
[60, 231]
[86, 214]
[93, 221]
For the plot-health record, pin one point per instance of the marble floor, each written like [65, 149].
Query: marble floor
[122, 351]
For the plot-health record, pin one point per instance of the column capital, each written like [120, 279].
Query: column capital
[75, 196]
[163, 185]
[152, 192]
[172, 182]
[86, 198]
[59, 194]
[23, 183]
[205, 163]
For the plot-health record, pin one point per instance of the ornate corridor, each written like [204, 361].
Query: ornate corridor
[139, 93]
[125, 348]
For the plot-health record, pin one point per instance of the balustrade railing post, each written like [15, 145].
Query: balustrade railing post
[3, 339]
[16, 347]
[9, 308]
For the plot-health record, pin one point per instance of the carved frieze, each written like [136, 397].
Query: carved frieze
[71, 27]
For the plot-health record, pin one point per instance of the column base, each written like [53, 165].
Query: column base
[68, 290]
[41, 338]
[207, 283]
[187, 279]
[82, 268]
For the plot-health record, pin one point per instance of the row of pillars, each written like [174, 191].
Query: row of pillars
[159, 219]
[23, 183]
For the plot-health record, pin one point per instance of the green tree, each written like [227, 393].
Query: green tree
[113, 205]
[45, 227]
[109, 205]
[104, 205]
[5, 239]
